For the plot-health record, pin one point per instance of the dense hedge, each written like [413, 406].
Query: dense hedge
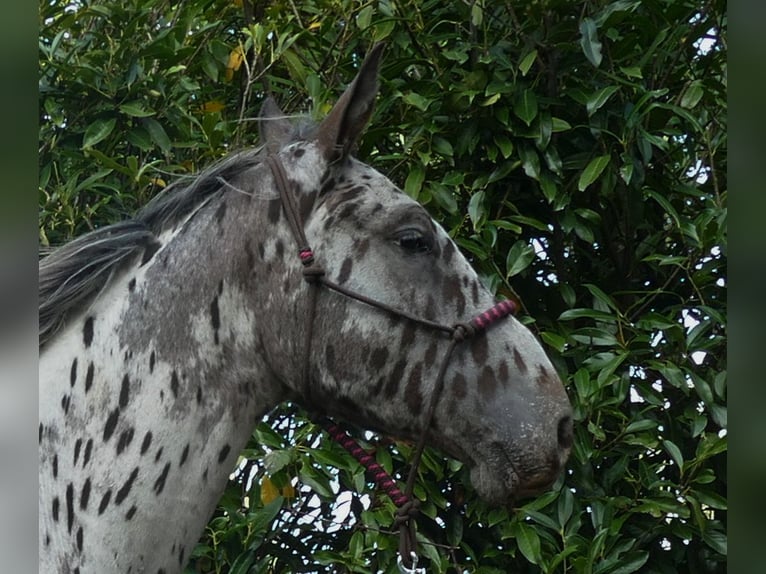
[575, 150]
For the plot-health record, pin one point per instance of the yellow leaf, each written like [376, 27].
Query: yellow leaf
[213, 106]
[268, 491]
[288, 491]
[236, 57]
[315, 25]
[158, 181]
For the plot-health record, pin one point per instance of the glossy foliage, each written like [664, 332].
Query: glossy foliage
[576, 151]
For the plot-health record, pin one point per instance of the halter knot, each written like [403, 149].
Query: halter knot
[407, 511]
[463, 331]
[313, 273]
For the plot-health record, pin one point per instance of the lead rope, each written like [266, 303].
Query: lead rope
[407, 505]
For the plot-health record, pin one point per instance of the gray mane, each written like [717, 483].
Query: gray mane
[73, 275]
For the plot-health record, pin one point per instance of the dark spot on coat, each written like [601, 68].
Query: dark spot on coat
[65, 403]
[125, 391]
[55, 509]
[78, 539]
[159, 484]
[89, 377]
[69, 507]
[174, 383]
[215, 318]
[111, 423]
[149, 250]
[408, 336]
[279, 249]
[130, 513]
[479, 349]
[146, 442]
[459, 386]
[430, 357]
[220, 212]
[392, 386]
[250, 256]
[412, 394]
[125, 439]
[181, 553]
[305, 204]
[152, 358]
[125, 489]
[40, 433]
[329, 355]
[503, 372]
[327, 185]
[378, 358]
[88, 449]
[376, 208]
[73, 373]
[85, 494]
[55, 466]
[104, 501]
[158, 455]
[453, 294]
[487, 382]
[448, 251]
[347, 211]
[184, 455]
[224, 453]
[77, 447]
[275, 210]
[132, 284]
[199, 395]
[87, 332]
[519, 362]
[345, 270]
[475, 292]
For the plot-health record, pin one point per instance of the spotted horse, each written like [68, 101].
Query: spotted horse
[164, 339]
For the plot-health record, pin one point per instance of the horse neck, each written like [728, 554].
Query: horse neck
[148, 396]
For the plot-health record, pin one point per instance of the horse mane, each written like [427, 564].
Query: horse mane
[72, 275]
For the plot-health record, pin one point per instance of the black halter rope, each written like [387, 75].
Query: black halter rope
[314, 275]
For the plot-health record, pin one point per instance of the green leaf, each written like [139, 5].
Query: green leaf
[599, 98]
[692, 95]
[519, 256]
[589, 42]
[675, 454]
[504, 144]
[136, 110]
[631, 562]
[158, 134]
[364, 17]
[414, 181]
[559, 125]
[443, 196]
[527, 62]
[417, 100]
[476, 208]
[525, 107]
[529, 542]
[98, 131]
[592, 171]
[276, 460]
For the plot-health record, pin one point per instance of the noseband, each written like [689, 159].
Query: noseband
[314, 275]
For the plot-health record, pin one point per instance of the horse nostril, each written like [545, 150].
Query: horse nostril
[565, 433]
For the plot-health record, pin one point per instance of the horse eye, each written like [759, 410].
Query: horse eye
[413, 241]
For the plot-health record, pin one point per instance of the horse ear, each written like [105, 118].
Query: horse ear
[273, 126]
[340, 130]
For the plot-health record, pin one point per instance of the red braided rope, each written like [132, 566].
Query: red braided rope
[378, 473]
[498, 311]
